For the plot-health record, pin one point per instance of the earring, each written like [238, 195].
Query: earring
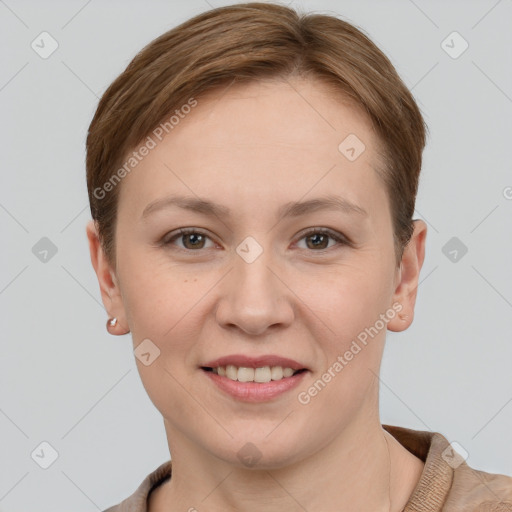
[111, 327]
[111, 323]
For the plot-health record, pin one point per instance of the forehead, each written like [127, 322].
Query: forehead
[294, 111]
[259, 138]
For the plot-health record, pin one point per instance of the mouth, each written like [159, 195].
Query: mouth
[260, 375]
[254, 379]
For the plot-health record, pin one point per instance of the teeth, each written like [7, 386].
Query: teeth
[287, 372]
[276, 372]
[264, 374]
[231, 372]
[246, 374]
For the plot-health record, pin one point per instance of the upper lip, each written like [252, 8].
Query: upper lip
[240, 360]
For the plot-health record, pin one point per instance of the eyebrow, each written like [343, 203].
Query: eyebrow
[291, 209]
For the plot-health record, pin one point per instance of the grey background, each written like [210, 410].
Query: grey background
[66, 381]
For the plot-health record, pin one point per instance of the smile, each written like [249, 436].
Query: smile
[261, 375]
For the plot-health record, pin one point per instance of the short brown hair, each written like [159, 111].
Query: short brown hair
[246, 42]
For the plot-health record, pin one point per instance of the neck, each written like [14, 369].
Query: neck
[363, 469]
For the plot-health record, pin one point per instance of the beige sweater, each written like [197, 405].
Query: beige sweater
[447, 483]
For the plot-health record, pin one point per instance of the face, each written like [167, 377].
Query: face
[258, 283]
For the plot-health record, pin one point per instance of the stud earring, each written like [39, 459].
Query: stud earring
[111, 323]
[111, 327]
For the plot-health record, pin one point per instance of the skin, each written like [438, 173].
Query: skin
[253, 148]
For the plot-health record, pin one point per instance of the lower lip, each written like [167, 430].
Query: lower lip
[255, 391]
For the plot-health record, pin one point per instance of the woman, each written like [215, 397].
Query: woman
[252, 177]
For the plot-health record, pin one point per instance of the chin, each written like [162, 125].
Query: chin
[260, 453]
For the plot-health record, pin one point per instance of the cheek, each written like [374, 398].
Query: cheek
[351, 295]
[350, 306]
[155, 293]
[160, 307]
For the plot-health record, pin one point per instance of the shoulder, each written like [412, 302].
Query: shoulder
[480, 491]
[448, 483]
[137, 502]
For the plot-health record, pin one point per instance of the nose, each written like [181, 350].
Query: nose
[255, 296]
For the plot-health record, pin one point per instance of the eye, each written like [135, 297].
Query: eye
[195, 239]
[319, 237]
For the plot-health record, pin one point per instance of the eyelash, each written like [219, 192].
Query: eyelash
[322, 231]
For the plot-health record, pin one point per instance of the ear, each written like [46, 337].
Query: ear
[107, 279]
[406, 284]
